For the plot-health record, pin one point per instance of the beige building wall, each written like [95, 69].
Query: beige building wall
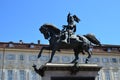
[16, 64]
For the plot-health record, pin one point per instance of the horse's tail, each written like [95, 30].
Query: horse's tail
[93, 39]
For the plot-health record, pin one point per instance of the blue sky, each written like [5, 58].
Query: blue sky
[21, 19]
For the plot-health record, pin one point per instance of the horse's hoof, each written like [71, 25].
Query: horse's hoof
[86, 61]
[49, 61]
[34, 65]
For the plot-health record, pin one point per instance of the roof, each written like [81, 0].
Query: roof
[13, 45]
[21, 45]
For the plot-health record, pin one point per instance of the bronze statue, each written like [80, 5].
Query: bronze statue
[56, 37]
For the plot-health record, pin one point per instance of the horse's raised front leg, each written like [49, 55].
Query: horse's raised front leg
[39, 55]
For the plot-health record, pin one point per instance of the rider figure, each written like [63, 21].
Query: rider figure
[70, 29]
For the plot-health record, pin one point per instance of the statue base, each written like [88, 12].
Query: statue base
[53, 71]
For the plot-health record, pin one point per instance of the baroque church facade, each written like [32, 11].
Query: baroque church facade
[17, 59]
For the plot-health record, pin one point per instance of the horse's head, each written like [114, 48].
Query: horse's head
[43, 29]
[49, 30]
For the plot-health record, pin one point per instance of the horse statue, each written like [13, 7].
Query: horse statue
[79, 43]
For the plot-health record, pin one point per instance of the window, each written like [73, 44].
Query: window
[22, 75]
[56, 59]
[10, 57]
[105, 60]
[107, 75]
[108, 50]
[65, 59]
[114, 60]
[31, 46]
[34, 75]
[44, 58]
[95, 60]
[91, 49]
[116, 76]
[32, 57]
[21, 57]
[11, 45]
[10, 75]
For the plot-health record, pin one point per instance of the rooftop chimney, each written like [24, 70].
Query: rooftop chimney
[38, 41]
[20, 41]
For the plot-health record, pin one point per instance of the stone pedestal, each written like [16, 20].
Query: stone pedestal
[51, 71]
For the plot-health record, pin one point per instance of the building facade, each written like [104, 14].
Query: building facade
[17, 59]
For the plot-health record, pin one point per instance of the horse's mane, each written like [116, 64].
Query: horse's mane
[52, 27]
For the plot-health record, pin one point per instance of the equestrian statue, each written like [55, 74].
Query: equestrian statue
[66, 38]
